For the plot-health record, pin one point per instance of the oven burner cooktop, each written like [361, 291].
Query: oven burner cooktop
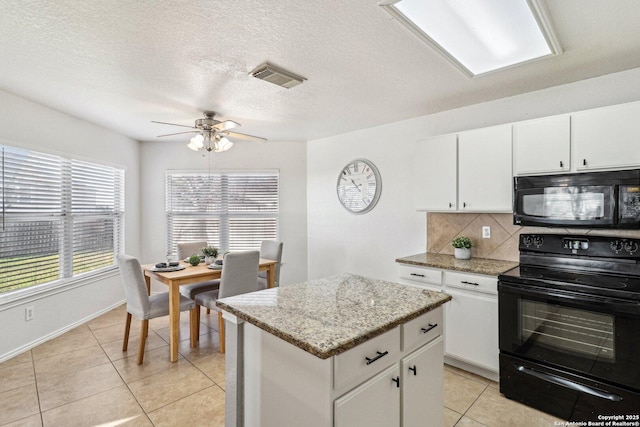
[587, 264]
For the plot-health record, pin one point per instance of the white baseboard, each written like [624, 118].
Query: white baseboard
[56, 333]
[485, 373]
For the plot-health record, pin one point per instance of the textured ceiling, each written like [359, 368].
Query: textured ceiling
[123, 63]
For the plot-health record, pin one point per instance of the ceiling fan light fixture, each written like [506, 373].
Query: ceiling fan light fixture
[224, 144]
[197, 140]
[192, 146]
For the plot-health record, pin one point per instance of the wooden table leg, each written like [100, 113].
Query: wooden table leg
[147, 280]
[174, 320]
[271, 276]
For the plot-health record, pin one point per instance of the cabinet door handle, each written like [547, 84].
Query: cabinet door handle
[417, 275]
[413, 369]
[584, 162]
[561, 164]
[397, 381]
[425, 330]
[450, 204]
[370, 360]
[464, 204]
[469, 283]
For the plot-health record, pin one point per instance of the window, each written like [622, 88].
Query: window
[60, 217]
[233, 211]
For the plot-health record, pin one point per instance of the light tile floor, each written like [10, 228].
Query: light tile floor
[82, 378]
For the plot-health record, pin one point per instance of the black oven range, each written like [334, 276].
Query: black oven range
[569, 320]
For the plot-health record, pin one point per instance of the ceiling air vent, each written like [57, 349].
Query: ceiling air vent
[277, 76]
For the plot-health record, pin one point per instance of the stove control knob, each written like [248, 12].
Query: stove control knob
[617, 246]
[527, 241]
[537, 240]
[631, 246]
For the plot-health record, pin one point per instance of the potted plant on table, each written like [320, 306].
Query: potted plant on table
[210, 254]
[462, 247]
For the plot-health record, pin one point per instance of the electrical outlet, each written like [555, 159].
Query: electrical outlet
[28, 313]
[486, 232]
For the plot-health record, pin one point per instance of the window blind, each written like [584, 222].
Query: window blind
[60, 217]
[231, 211]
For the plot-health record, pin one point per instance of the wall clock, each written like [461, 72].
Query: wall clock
[359, 186]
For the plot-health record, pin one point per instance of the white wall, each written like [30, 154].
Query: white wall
[368, 244]
[30, 125]
[288, 157]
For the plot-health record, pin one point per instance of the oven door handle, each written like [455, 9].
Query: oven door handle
[569, 384]
[619, 305]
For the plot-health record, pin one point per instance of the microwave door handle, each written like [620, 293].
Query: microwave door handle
[569, 384]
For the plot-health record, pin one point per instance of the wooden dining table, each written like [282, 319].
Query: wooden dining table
[191, 274]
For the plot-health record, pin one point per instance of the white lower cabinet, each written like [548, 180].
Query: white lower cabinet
[422, 386]
[374, 403]
[471, 321]
[471, 317]
[407, 394]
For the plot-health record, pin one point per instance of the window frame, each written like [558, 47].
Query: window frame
[224, 234]
[66, 217]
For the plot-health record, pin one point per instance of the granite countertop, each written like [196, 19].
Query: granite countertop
[326, 317]
[490, 267]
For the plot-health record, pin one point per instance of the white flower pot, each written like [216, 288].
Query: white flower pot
[209, 260]
[462, 253]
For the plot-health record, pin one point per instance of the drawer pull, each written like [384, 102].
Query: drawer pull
[469, 283]
[413, 369]
[417, 275]
[370, 360]
[425, 330]
[397, 381]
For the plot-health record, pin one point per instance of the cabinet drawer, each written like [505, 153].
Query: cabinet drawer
[420, 275]
[474, 282]
[366, 359]
[422, 329]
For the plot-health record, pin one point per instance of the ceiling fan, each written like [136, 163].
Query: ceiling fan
[211, 134]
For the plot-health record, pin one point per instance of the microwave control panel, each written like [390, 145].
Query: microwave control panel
[629, 203]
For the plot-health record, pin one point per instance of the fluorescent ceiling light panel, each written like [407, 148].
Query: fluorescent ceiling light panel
[480, 36]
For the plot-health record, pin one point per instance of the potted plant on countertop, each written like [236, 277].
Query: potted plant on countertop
[210, 254]
[462, 247]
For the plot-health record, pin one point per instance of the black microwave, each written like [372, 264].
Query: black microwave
[588, 200]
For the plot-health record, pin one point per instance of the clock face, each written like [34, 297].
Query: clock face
[359, 186]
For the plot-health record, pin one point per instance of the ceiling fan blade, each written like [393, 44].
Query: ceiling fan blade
[179, 133]
[173, 124]
[245, 137]
[226, 125]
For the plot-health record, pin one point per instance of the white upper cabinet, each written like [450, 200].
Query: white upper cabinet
[606, 138]
[436, 174]
[542, 146]
[484, 170]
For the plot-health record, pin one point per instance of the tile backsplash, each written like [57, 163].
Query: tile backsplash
[442, 228]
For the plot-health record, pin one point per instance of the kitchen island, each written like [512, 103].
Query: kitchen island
[344, 350]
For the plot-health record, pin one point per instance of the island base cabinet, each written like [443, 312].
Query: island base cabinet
[422, 386]
[407, 394]
[284, 385]
[376, 403]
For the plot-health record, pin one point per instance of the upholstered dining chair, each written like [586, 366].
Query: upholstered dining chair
[239, 276]
[185, 250]
[140, 304]
[270, 249]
